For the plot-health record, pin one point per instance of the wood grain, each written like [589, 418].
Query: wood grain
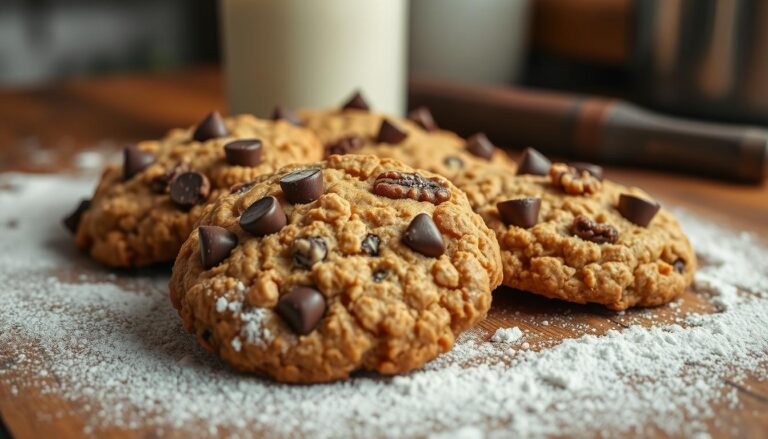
[66, 118]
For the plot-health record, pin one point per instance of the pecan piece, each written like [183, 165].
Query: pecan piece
[160, 183]
[394, 184]
[573, 181]
[345, 145]
[589, 230]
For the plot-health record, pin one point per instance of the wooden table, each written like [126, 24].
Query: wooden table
[42, 129]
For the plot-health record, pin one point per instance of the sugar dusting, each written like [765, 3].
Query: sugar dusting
[113, 344]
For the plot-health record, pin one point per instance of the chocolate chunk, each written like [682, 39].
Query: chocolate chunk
[206, 334]
[245, 152]
[370, 245]
[679, 266]
[454, 162]
[380, 275]
[390, 133]
[595, 170]
[302, 309]
[72, 221]
[135, 161]
[397, 185]
[572, 181]
[309, 251]
[423, 118]
[210, 128]
[160, 183]
[302, 187]
[286, 115]
[345, 145]
[480, 146]
[216, 243]
[637, 210]
[189, 189]
[356, 102]
[533, 162]
[263, 217]
[521, 212]
[239, 188]
[589, 230]
[423, 236]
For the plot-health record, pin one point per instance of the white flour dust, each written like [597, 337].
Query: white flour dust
[113, 344]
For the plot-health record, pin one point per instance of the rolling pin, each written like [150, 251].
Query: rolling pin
[595, 129]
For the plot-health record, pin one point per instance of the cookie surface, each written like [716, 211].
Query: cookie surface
[575, 243]
[379, 270]
[138, 216]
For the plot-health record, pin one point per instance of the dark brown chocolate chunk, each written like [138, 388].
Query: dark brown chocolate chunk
[356, 102]
[302, 187]
[244, 152]
[309, 251]
[345, 145]
[161, 182]
[397, 185]
[679, 266]
[380, 275]
[454, 162]
[390, 133]
[241, 187]
[302, 309]
[263, 217]
[211, 127]
[286, 115]
[637, 210]
[370, 245]
[521, 212]
[533, 162]
[72, 221]
[423, 236]
[589, 230]
[189, 189]
[216, 243]
[480, 146]
[423, 118]
[595, 170]
[135, 161]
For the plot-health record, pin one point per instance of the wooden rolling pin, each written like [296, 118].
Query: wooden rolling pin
[596, 129]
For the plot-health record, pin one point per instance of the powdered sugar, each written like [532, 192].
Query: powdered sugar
[507, 335]
[115, 347]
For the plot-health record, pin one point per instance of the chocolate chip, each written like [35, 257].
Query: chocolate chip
[589, 230]
[533, 162]
[216, 243]
[241, 187]
[423, 118]
[72, 221]
[380, 275]
[302, 309]
[356, 102]
[303, 186]
[210, 128]
[263, 217]
[423, 236]
[286, 115]
[521, 212]
[679, 266]
[345, 145]
[397, 185]
[309, 251]
[637, 210]
[595, 170]
[370, 245]
[135, 161]
[454, 162]
[390, 133]
[244, 152]
[161, 182]
[189, 189]
[480, 146]
[206, 334]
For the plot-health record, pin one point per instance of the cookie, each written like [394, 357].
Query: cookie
[568, 235]
[416, 141]
[143, 211]
[354, 263]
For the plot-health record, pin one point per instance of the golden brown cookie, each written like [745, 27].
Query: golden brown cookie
[568, 235]
[416, 141]
[321, 270]
[142, 212]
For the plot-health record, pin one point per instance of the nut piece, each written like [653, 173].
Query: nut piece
[573, 181]
[396, 185]
[589, 230]
[309, 251]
